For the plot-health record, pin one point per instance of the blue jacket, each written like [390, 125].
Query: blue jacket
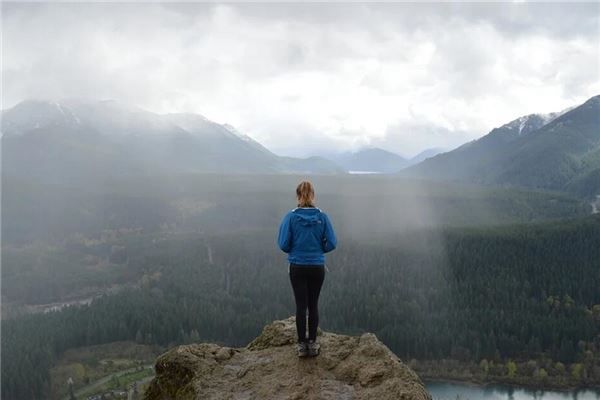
[306, 234]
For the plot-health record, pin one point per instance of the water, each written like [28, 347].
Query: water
[464, 391]
[363, 172]
[596, 205]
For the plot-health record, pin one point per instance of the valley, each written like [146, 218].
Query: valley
[508, 270]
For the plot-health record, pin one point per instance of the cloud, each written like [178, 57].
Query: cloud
[306, 78]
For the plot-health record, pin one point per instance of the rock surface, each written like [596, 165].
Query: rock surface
[349, 367]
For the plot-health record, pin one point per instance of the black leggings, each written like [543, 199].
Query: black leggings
[306, 282]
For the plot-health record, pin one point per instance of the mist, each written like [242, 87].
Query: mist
[150, 152]
[311, 78]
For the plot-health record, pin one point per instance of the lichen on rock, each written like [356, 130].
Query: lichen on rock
[349, 367]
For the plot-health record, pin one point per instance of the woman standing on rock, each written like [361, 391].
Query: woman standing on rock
[306, 234]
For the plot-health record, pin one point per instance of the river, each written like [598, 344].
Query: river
[596, 205]
[464, 391]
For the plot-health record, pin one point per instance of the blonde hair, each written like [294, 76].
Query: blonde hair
[305, 194]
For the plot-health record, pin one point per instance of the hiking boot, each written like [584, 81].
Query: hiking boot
[302, 349]
[313, 348]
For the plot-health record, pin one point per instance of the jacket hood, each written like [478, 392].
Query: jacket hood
[308, 216]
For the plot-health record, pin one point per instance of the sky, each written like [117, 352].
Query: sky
[312, 78]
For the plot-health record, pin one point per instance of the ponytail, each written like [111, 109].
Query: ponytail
[305, 194]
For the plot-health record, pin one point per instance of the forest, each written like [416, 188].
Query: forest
[497, 297]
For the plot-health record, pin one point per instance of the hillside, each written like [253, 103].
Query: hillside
[377, 160]
[349, 367]
[559, 151]
[371, 160]
[85, 140]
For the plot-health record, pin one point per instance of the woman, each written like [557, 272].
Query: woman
[306, 234]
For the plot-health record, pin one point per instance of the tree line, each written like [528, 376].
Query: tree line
[497, 294]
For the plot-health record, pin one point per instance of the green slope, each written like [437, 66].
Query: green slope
[562, 155]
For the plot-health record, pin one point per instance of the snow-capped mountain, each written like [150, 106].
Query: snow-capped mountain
[80, 139]
[558, 151]
[529, 123]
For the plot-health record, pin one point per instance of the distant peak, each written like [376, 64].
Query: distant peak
[237, 133]
[531, 122]
[188, 116]
[594, 100]
[35, 113]
[371, 150]
[231, 129]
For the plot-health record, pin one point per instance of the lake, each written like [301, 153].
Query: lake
[463, 391]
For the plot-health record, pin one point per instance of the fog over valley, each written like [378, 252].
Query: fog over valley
[285, 200]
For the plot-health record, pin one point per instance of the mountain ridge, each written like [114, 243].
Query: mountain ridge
[556, 152]
[378, 160]
[371, 159]
[77, 138]
[88, 139]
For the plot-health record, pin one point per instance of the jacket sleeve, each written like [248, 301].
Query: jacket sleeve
[285, 234]
[329, 239]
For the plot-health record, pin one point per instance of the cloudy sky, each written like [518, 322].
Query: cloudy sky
[312, 78]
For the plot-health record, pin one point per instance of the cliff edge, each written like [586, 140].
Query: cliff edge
[349, 367]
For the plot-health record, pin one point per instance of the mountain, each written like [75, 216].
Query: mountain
[559, 151]
[376, 160]
[349, 367]
[425, 154]
[78, 139]
[370, 160]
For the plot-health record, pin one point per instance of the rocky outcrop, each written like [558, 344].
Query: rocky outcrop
[349, 367]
